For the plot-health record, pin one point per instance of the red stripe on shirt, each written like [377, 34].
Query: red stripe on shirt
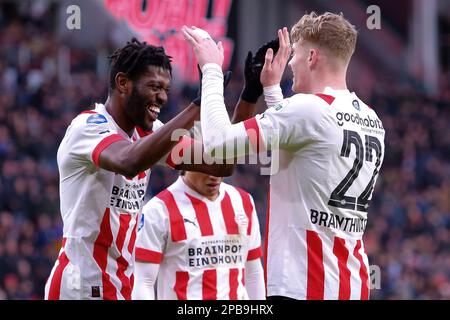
[122, 263]
[132, 281]
[209, 285]
[148, 255]
[254, 134]
[101, 247]
[328, 99]
[248, 208]
[181, 282]
[131, 247]
[254, 254]
[177, 229]
[133, 236]
[201, 212]
[88, 111]
[341, 252]
[234, 283]
[362, 272]
[55, 285]
[102, 145]
[228, 215]
[316, 274]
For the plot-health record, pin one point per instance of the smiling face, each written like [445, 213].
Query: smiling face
[148, 95]
[204, 184]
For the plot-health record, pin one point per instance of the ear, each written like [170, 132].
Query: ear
[123, 84]
[313, 57]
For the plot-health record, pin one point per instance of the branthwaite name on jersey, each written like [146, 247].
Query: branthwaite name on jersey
[336, 221]
[127, 198]
[215, 253]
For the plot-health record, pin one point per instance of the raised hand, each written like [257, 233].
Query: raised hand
[205, 49]
[274, 67]
[253, 88]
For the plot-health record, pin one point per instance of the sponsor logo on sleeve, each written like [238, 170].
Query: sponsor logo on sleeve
[141, 222]
[97, 119]
[281, 105]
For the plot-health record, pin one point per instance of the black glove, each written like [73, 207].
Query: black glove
[226, 80]
[253, 88]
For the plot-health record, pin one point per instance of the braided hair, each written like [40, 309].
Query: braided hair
[134, 58]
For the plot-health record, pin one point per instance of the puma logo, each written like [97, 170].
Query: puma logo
[187, 220]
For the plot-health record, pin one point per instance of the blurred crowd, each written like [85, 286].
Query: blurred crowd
[408, 233]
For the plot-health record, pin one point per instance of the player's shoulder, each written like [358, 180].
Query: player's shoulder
[302, 106]
[305, 102]
[156, 203]
[90, 119]
[236, 190]
[170, 195]
[361, 106]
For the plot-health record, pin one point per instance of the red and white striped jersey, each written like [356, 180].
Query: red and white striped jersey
[323, 175]
[99, 209]
[201, 245]
[327, 150]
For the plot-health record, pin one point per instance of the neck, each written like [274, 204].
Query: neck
[335, 81]
[116, 110]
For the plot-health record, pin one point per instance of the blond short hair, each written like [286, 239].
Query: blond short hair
[329, 30]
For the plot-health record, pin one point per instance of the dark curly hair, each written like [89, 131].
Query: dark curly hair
[134, 58]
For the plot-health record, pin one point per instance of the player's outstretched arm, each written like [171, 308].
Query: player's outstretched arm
[194, 158]
[129, 159]
[218, 132]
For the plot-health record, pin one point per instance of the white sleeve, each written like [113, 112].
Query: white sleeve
[273, 95]
[254, 280]
[254, 277]
[218, 134]
[145, 275]
[289, 124]
[152, 232]
[87, 136]
[255, 251]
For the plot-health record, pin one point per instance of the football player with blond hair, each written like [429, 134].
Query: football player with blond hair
[330, 147]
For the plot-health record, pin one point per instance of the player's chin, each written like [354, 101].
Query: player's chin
[149, 119]
[146, 124]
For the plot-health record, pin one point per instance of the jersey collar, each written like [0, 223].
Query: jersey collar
[333, 92]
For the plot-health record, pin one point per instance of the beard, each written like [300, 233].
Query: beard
[136, 109]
